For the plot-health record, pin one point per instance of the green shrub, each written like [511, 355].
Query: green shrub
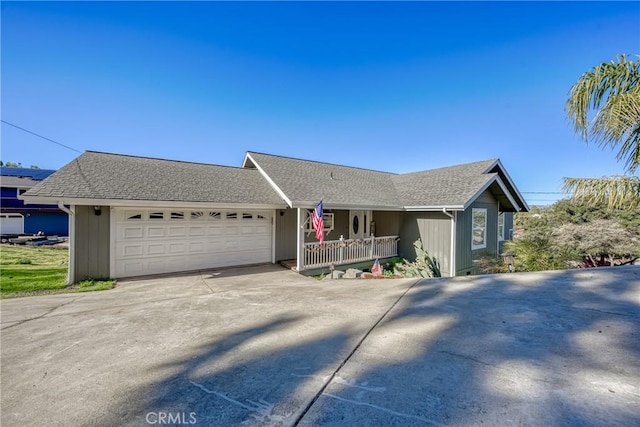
[424, 265]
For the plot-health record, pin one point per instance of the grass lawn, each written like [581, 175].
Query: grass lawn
[27, 270]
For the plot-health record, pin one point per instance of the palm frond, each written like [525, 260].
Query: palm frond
[617, 123]
[618, 192]
[614, 89]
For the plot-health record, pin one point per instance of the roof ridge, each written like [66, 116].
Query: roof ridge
[164, 160]
[323, 163]
[493, 160]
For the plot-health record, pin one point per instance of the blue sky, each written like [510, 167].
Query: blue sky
[390, 86]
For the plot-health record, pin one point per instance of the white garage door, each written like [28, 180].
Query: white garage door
[11, 224]
[152, 241]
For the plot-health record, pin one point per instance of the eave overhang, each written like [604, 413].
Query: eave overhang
[146, 203]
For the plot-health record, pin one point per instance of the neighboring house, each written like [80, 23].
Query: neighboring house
[136, 216]
[18, 218]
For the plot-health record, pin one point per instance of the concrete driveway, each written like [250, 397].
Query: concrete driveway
[265, 346]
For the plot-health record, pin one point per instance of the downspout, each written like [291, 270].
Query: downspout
[71, 211]
[452, 262]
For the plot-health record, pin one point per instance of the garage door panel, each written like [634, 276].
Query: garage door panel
[195, 247]
[132, 232]
[156, 249]
[156, 232]
[197, 231]
[215, 230]
[177, 231]
[155, 241]
[134, 250]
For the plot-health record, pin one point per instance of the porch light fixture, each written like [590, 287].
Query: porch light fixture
[97, 210]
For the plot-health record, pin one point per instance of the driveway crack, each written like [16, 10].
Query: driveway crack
[42, 315]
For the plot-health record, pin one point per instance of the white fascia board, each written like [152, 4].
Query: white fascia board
[149, 203]
[311, 204]
[437, 208]
[268, 178]
[513, 185]
[497, 180]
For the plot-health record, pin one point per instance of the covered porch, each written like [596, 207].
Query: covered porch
[351, 236]
[348, 251]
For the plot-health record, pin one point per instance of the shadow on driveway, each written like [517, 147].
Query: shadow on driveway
[552, 348]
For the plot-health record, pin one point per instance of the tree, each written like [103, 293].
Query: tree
[11, 165]
[613, 89]
[605, 238]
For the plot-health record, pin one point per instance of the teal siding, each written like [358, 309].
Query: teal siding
[386, 223]
[508, 229]
[465, 255]
[434, 229]
[286, 234]
[92, 243]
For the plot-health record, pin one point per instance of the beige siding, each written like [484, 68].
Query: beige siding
[434, 229]
[91, 243]
[465, 255]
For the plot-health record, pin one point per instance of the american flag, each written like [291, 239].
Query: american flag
[376, 270]
[317, 220]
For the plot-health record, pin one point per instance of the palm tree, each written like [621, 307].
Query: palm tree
[613, 89]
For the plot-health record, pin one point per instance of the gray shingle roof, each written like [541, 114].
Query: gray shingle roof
[100, 176]
[96, 175]
[305, 182]
[449, 186]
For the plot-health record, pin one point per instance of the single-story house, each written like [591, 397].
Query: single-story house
[132, 216]
[17, 218]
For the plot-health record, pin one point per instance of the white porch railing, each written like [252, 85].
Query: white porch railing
[345, 251]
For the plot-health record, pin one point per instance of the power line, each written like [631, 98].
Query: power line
[542, 192]
[40, 136]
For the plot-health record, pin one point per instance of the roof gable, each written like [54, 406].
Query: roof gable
[305, 182]
[451, 187]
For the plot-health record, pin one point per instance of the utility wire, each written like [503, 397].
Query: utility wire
[40, 136]
[542, 192]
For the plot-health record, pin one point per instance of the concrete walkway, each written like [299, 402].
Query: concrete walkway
[265, 346]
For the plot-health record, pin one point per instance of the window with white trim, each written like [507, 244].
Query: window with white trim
[501, 226]
[478, 228]
[328, 222]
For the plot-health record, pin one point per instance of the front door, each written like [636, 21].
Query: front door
[359, 224]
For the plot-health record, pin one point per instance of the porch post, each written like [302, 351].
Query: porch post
[371, 248]
[300, 240]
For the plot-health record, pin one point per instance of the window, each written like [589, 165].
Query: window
[156, 215]
[328, 222]
[21, 191]
[232, 215]
[501, 226]
[177, 215]
[197, 214]
[479, 228]
[133, 216]
[246, 215]
[214, 215]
